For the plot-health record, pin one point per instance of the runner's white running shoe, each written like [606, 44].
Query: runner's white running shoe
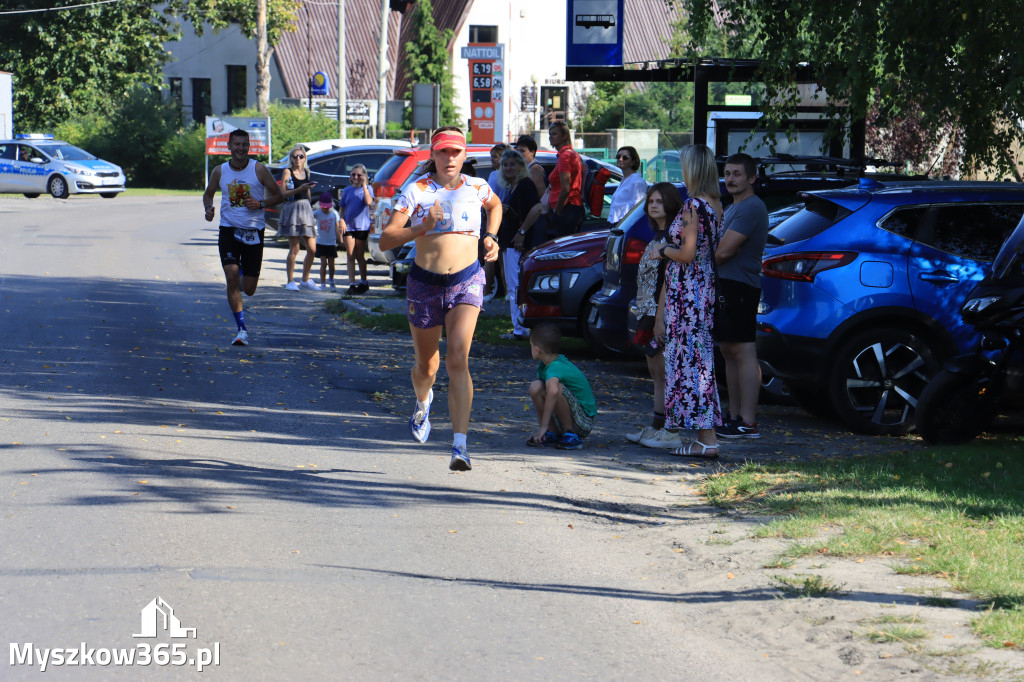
[241, 339]
[419, 424]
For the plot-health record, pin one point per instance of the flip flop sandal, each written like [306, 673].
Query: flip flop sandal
[550, 438]
[698, 450]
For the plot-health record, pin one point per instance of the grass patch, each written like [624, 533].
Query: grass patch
[489, 329]
[154, 192]
[895, 633]
[779, 562]
[955, 512]
[807, 586]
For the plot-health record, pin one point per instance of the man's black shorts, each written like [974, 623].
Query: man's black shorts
[736, 321]
[358, 234]
[249, 257]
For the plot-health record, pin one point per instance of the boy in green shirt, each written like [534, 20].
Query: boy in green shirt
[561, 394]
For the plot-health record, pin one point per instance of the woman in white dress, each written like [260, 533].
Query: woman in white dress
[633, 188]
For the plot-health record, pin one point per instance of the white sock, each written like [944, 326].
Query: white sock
[424, 405]
[459, 440]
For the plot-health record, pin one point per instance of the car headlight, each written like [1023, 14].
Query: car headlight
[976, 305]
[81, 171]
[560, 255]
[552, 282]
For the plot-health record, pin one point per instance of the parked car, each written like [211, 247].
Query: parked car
[331, 166]
[34, 164]
[862, 289]
[608, 320]
[480, 163]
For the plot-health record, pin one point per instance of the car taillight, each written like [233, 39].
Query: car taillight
[804, 267]
[633, 251]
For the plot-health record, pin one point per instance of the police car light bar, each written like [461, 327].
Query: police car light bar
[33, 136]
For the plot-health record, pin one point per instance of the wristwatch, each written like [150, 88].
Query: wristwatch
[522, 232]
[492, 236]
[263, 204]
[662, 250]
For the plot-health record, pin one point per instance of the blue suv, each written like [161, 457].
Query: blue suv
[861, 292]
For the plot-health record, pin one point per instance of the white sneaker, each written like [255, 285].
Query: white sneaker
[309, 284]
[241, 339]
[662, 438]
[292, 286]
[646, 432]
[331, 284]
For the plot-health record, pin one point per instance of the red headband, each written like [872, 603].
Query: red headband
[448, 139]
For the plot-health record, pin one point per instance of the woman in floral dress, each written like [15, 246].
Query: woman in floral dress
[686, 307]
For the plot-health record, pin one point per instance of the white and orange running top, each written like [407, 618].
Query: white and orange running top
[461, 206]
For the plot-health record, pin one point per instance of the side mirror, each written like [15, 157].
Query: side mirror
[36, 159]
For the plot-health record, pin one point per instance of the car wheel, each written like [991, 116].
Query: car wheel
[601, 349]
[108, 195]
[32, 195]
[877, 378]
[57, 187]
[955, 407]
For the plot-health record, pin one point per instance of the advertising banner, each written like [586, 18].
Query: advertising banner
[218, 129]
[594, 33]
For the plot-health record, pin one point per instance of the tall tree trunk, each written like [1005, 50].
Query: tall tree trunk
[262, 59]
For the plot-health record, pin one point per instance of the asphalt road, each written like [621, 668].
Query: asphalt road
[265, 495]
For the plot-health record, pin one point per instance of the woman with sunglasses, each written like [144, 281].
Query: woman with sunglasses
[356, 200]
[633, 188]
[441, 212]
[296, 221]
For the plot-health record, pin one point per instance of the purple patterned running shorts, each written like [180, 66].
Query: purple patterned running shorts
[431, 295]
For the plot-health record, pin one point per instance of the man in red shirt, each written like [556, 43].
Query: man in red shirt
[566, 183]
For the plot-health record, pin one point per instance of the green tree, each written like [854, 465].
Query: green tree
[70, 62]
[219, 14]
[952, 64]
[427, 61]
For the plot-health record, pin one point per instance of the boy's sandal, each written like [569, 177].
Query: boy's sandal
[697, 449]
[550, 438]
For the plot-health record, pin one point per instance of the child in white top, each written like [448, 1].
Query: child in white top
[329, 228]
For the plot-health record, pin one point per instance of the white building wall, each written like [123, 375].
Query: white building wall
[208, 56]
[533, 32]
[6, 106]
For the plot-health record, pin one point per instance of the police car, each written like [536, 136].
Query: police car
[34, 164]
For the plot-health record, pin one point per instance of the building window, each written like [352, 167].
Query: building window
[174, 84]
[236, 87]
[202, 105]
[483, 34]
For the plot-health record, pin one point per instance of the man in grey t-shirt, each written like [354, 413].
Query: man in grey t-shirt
[739, 286]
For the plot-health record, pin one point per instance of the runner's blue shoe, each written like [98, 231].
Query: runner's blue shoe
[419, 424]
[460, 459]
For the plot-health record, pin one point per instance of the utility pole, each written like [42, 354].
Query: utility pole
[342, 94]
[382, 71]
[262, 59]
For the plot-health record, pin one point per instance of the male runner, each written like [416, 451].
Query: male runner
[246, 188]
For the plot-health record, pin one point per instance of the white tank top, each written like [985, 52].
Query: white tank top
[461, 205]
[235, 186]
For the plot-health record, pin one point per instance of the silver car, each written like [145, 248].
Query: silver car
[34, 164]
